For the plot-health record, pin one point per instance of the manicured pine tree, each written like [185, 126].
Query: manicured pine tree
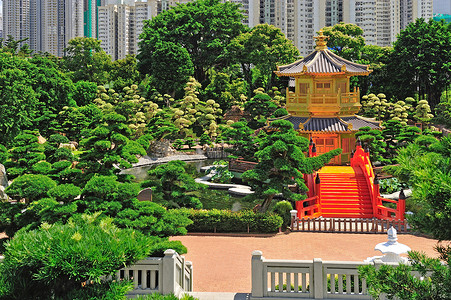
[281, 162]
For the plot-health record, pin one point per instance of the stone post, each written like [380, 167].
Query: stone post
[318, 284]
[190, 267]
[257, 274]
[294, 214]
[168, 279]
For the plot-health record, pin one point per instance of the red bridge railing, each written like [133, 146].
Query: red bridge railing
[361, 159]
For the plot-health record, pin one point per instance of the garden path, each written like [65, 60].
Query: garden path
[222, 263]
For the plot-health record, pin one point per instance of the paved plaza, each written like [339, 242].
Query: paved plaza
[222, 263]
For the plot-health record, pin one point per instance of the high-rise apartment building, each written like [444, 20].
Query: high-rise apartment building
[16, 19]
[90, 17]
[121, 22]
[299, 20]
[47, 24]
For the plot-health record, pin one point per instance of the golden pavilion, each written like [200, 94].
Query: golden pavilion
[322, 106]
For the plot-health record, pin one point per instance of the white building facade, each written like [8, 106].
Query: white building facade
[47, 24]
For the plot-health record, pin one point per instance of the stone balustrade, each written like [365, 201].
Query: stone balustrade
[170, 274]
[306, 279]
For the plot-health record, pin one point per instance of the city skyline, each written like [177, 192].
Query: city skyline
[50, 24]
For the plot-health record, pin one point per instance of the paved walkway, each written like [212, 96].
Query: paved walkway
[223, 263]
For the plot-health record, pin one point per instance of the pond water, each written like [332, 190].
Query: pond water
[141, 172]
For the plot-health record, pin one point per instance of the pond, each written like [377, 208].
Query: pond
[210, 198]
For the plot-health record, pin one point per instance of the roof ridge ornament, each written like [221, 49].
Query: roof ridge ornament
[321, 43]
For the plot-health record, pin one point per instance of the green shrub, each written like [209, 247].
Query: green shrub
[65, 192]
[280, 113]
[30, 187]
[228, 221]
[54, 261]
[391, 185]
[42, 167]
[282, 208]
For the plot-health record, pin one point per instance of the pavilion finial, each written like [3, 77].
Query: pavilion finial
[321, 43]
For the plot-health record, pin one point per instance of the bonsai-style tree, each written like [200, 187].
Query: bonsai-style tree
[243, 140]
[176, 187]
[108, 145]
[374, 140]
[390, 132]
[281, 162]
[26, 152]
[260, 107]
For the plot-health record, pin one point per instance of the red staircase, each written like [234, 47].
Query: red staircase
[344, 193]
[347, 192]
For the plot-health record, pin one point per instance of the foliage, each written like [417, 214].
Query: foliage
[280, 113]
[443, 111]
[226, 89]
[76, 121]
[427, 170]
[160, 126]
[391, 131]
[391, 185]
[227, 221]
[409, 134]
[87, 249]
[420, 61]
[3, 154]
[398, 281]
[30, 187]
[85, 60]
[124, 72]
[203, 28]
[128, 103]
[174, 185]
[243, 140]
[26, 152]
[220, 171]
[33, 91]
[263, 47]
[108, 145]
[281, 162]
[374, 140]
[192, 115]
[157, 296]
[423, 112]
[345, 39]
[84, 92]
[379, 107]
[65, 192]
[260, 107]
[170, 66]
[283, 208]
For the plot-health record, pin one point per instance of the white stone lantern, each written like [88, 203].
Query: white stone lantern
[392, 249]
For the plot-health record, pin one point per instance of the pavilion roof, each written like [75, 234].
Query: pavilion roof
[330, 124]
[322, 62]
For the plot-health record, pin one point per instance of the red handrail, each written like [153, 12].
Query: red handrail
[308, 207]
[361, 159]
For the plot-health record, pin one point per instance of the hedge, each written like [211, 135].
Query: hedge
[227, 221]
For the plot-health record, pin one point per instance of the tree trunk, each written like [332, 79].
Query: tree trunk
[266, 203]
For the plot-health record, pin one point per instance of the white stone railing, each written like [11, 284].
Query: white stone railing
[306, 279]
[170, 274]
